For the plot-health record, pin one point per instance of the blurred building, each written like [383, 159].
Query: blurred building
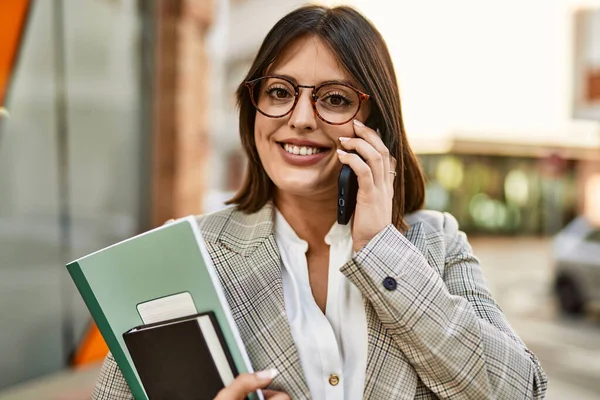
[104, 140]
[41, 315]
[502, 103]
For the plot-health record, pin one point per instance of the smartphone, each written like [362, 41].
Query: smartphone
[347, 191]
[348, 186]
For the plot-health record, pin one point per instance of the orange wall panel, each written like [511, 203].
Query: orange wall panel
[92, 348]
[12, 21]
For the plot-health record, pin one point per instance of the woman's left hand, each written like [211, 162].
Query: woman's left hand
[375, 173]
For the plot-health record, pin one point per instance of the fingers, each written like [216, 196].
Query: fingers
[246, 383]
[373, 151]
[371, 156]
[360, 168]
[371, 137]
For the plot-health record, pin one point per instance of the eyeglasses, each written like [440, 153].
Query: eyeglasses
[335, 103]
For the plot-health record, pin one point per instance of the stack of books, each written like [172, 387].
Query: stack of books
[157, 300]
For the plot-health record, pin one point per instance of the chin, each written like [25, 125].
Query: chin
[302, 185]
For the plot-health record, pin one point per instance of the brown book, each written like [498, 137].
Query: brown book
[181, 359]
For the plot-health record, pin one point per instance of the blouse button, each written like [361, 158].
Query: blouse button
[334, 379]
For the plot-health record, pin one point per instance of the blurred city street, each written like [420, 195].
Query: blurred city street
[519, 272]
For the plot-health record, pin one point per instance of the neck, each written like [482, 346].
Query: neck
[310, 217]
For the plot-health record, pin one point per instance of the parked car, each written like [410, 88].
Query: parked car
[577, 262]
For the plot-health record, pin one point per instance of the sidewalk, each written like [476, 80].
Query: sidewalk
[66, 385]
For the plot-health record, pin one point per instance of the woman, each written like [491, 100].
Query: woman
[390, 306]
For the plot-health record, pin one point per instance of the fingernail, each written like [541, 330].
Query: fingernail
[358, 123]
[267, 374]
[344, 138]
[341, 152]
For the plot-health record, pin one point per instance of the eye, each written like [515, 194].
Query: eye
[279, 92]
[336, 99]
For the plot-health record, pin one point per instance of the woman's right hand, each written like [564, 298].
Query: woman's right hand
[248, 383]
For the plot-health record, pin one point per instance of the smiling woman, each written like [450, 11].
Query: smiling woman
[306, 86]
[327, 61]
[393, 305]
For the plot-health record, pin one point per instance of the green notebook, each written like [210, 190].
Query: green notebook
[162, 274]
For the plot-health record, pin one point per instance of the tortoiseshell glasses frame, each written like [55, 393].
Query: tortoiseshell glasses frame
[251, 85]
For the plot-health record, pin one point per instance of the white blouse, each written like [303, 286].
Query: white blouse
[333, 346]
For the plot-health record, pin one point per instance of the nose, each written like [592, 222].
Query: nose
[303, 116]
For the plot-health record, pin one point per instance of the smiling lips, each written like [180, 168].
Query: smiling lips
[301, 150]
[302, 153]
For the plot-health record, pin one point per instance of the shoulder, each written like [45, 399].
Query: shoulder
[440, 230]
[236, 228]
[212, 225]
[434, 221]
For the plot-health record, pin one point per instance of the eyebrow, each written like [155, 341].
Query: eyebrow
[291, 78]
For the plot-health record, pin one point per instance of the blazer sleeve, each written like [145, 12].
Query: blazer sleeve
[111, 384]
[450, 328]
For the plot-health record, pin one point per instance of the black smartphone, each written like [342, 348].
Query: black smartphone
[348, 184]
[347, 191]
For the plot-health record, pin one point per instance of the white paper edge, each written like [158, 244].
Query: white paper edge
[142, 308]
[216, 350]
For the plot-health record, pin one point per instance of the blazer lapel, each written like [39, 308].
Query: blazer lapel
[249, 268]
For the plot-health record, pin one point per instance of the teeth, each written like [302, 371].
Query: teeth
[303, 150]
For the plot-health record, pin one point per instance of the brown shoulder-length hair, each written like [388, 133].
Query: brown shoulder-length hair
[360, 48]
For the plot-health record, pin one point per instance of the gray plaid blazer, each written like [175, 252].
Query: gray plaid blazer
[439, 334]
